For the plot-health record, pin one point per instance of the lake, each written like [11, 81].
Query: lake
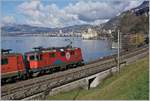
[91, 49]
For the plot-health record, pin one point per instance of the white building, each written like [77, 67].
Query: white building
[60, 31]
[89, 34]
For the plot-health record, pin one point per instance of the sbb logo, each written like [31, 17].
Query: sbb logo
[67, 55]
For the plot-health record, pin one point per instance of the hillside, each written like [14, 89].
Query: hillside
[130, 84]
[132, 21]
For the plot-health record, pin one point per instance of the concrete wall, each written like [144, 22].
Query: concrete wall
[97, 78]
[70, 86]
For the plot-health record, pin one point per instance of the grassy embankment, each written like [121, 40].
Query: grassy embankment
[131, 83]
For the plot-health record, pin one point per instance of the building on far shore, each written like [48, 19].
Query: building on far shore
[89, 34]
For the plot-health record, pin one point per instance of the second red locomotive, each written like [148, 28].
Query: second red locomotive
[40, 60]
[12, 65]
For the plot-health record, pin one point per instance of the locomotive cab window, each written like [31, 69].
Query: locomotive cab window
[52, 55]
[4, 61]
[32, 57]
[62, 53]
[39, 57]
[35, 57]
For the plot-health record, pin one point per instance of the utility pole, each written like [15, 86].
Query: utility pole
[118, 50]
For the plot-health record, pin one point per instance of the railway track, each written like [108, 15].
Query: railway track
[45, 83]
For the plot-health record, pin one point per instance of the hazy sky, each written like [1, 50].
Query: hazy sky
[61, 13]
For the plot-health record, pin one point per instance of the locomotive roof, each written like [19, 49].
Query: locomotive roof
[10, 54]
[51, 49]
[6, 53]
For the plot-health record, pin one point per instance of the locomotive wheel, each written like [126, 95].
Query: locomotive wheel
[47, 71]
[56, 69]
[69, 66]
[80, 64]
[62, 68]
[30, 75]
[23, 77]
[3, 81]
[11, 80]
[36, 74]
[50, 71]
[42, 72]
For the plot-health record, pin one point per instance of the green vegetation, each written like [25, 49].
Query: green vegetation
[130, 83]
[130, 23]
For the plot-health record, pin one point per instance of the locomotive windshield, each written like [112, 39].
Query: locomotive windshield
[32, 57]
[35, 57]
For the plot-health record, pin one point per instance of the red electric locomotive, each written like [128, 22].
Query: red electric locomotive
[17, 66]
[12, 65]
[49, 59]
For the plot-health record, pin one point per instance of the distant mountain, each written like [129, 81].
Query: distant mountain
[26, 29]
[143, 8]
[14, 28]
